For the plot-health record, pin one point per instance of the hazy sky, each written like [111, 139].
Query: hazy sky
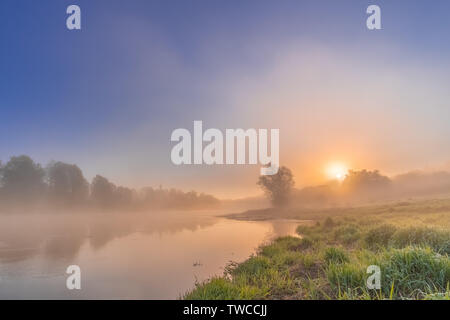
[109, 96]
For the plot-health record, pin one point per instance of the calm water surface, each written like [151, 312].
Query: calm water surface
[123, 256]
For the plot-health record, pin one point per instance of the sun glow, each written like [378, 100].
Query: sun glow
[336, 171]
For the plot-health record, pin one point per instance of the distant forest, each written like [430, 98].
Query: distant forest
[25, 183]
[367, 186]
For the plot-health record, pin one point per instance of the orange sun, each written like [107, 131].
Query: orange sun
[336, 171]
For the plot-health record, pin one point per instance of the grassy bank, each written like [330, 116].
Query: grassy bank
[410, 242]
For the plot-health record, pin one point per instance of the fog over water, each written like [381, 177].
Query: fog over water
[152, 255]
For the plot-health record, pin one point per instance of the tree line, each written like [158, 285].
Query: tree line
[357, 185]
[24, 183]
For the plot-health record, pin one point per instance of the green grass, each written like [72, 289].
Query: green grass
[410, 243]
[335, 256]
[414, 272]
[379, 237]
[438, 239]
[220, 289]
[347, 234]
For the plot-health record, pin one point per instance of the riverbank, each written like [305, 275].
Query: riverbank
[409, 241]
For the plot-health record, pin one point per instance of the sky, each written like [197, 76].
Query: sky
[107, 97]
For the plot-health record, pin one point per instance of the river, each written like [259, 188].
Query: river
[123, 255]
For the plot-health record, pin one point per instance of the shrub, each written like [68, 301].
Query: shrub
[306, 243]
[329, 223]
[379, 237]
[306, 230]
[438, 240]
[347, 234]
[335, 256]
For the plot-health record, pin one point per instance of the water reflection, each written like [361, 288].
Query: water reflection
[61, 236]
[152, 256]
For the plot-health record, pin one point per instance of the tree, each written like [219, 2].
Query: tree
[365, 180]
[124, 197]
[103, 191]
[22, 179]
[278, 187]
[67, 183]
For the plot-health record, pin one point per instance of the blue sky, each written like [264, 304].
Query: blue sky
[108, 97]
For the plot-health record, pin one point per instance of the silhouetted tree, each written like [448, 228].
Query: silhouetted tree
[22, 179]
[176, 199]
[278, 187]
[67, 183]
[124, 197]
[103, 191]
[365, 180]
[366, 185]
